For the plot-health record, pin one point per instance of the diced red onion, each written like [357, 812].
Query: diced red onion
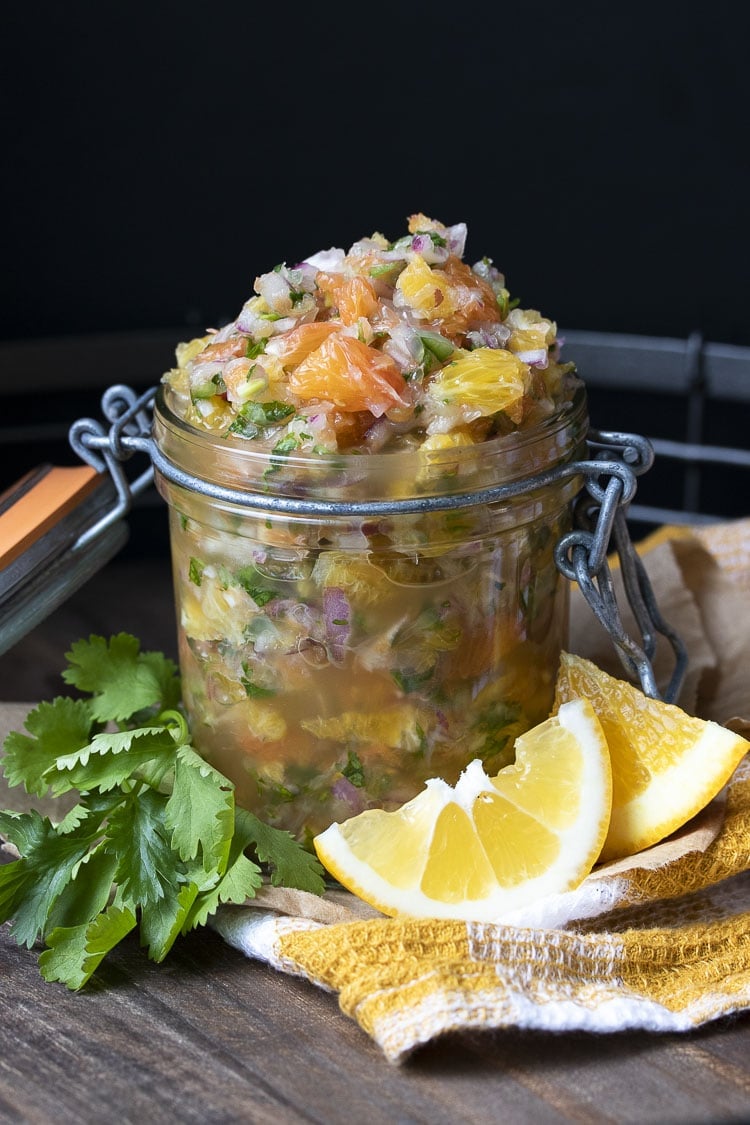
[404, 346]
[489, 336]
[535, 357]
[343, 790]
[330, 260]
[302, 276]
[202, 373]
[275, 290]
[251, 323]
[337, 614]
[363, 247]
[397, 254]
[280, 607]
[432, 253]
[456, 239]
[488, 272]
[313, 652]
[225, 333]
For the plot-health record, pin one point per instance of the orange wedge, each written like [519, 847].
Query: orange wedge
[486, 846]
[666, 764]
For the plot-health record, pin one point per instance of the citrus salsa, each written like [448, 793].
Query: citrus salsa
[333, 662]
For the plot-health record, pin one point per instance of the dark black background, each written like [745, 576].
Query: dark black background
[157, 158]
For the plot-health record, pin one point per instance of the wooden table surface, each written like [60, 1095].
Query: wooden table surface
[209, 1036]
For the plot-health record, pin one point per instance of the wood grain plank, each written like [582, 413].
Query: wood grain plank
[625, 1077]
[210, 1036]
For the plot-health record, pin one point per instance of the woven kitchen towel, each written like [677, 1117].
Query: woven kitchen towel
[660, 941]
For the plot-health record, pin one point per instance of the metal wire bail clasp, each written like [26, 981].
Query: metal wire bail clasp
[108, 450]
[581, 555]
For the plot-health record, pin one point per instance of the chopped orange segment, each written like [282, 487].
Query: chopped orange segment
[473, 299]
[294, 346]
[484, 381]
[351, 375]
[425, 290]
[353, 297]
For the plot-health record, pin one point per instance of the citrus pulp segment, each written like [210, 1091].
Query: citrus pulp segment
[666, 765]
[486, 846]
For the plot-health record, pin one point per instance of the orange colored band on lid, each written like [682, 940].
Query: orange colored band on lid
[37, 502]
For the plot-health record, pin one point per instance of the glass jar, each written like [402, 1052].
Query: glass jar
[351, 625]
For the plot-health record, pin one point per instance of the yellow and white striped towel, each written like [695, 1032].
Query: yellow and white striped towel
[662, 944]
[660, 941]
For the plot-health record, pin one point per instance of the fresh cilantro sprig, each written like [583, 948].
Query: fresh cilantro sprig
[154, 840]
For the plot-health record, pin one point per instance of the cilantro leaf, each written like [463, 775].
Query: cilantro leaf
[137, 832]
[239, 882]
[291, 867]
[87, 893]
[163, 921]
[353, 770]
[110, 759]
[437, 344]
[200, 811]
[253, 690]
[122, 679]
[46, 866]
[76, 951]
[25, 830]
[256, 348]
[72, 819]
[249, 579]
[195, 571]
[154, 841]
[14, 881]
[266, 413]
[60, 727]
[166, 675]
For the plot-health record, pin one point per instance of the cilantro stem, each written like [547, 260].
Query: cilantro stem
[177, 726]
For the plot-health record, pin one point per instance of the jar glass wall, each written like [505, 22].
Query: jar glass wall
[335, 657]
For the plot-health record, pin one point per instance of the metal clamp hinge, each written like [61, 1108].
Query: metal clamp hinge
[582, 556]
[107, 450]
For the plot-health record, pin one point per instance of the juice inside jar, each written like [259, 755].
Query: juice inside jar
[325, 681]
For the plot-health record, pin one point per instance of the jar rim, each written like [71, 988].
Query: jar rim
[207, 462]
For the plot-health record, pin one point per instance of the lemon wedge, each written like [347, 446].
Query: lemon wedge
[485, 846]
[666, 764]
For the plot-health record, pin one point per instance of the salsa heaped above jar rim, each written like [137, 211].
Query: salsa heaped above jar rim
[351, 477]
[392, 369]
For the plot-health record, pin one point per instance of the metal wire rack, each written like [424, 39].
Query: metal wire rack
[690, 397]
[692, 400]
